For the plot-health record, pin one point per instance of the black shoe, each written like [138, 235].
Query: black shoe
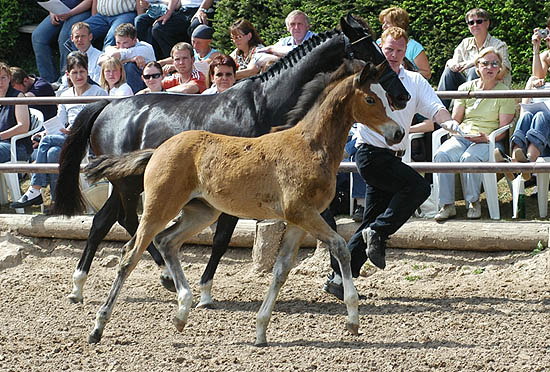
[376, 247]
[358, 214]
[25, 202]
[337, 290]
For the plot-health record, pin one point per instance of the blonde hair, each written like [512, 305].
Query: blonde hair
[5, 67]
[396, 33]
[112, 62]
[397, 16]
[483, 52]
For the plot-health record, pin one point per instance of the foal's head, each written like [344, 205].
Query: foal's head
[369, 107]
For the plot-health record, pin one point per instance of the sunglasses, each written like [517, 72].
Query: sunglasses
[494, 64]
[152, 76]
[477, 21]
[236, 37]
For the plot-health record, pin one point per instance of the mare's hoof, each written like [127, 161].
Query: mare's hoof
[167, 283]
[205, 305]
[353, 328]
[180, 324]
[260, 344]
[75, 299]
[94, 337]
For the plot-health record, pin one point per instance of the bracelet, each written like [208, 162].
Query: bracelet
[203, 10]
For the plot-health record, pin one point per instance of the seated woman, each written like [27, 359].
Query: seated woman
[113, 78]
[152, 77]
[247, 40]
[14, 120]
[221, 74]
[477, 118]
[50, 144]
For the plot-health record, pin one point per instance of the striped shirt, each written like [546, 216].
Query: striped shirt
[111, 8]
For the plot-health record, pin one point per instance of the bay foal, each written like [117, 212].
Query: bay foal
[288, 175]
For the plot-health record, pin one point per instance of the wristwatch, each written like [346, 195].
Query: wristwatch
[203, 10]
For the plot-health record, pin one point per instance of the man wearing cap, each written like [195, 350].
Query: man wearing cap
[204, 53]
[297, 23]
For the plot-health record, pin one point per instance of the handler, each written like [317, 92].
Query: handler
[394, 190]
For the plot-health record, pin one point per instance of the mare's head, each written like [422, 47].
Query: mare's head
[368, 107]
[362, 46]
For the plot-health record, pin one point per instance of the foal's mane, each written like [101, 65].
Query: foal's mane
[314, 91]
[296, 54]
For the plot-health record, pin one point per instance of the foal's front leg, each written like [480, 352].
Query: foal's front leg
[290, 243]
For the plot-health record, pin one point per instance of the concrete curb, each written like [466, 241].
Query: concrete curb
[480, 235]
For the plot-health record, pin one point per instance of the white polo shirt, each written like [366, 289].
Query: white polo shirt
[424, 101]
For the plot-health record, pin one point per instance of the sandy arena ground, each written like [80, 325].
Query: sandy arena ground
[428, 311]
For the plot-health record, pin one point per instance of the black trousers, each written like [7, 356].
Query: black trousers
[179, 27]
[394, 191]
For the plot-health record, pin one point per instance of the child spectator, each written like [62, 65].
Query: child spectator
[113, 78]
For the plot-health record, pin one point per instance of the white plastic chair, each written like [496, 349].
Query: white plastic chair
[542, 190]
[12, 179]
[489, 180]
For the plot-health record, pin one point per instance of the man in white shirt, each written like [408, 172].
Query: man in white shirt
[394, 190]
[133, 54]
[297, 23]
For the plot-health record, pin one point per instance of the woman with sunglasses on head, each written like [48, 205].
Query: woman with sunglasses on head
[50, 144]
[247, 42]
[152, 77]
[113, 78]
[461, 67]
[221, 74]
[477, 118]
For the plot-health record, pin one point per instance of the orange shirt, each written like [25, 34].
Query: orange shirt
[174, 80]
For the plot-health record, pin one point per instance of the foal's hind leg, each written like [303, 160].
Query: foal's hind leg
[196, 215]
[224, 231]
[287, 253]
[316, 226]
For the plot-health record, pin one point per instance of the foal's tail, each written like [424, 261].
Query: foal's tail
[68, 198]
[118, 166]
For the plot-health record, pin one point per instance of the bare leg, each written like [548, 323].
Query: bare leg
[287, 253]
[195, 217]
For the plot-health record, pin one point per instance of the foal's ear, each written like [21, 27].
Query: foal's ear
[368, 75]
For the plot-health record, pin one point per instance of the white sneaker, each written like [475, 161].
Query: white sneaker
[446, 212]
[474, 210]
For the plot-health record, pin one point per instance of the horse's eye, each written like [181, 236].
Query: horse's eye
[370, 100]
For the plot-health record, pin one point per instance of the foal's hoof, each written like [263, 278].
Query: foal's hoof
[94, 337]
[75, 299]
[260, 344]
[180, 324]
[205, 305]
[352, 328]
[167, 283]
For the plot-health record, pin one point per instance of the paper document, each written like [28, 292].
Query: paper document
[54, 6]
[535, 107]
[53, 126]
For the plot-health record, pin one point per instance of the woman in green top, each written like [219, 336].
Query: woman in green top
[478, 117]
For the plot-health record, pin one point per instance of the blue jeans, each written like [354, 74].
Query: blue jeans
[48, 152]
[535, 129]
[459, 149]
[5, 155]
[43, 37]
[178, 28]
[394, 192]
[133, 77]
[451, 80]
[103, 27]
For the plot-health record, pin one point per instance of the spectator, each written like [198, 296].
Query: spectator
[113, 78]
[178, 23]
[221, 75]
[132, 53]
[541, 61]
[415, 54]
[32, 86]
[461, 67]
[248, 41]
[147, 13]
[297, 23]
[81, 37]
[57, 26]
[14, 120]
[477, 118]
[204, 53]
[152, 77]
[50, 144]
[186, 79]
[107, 15]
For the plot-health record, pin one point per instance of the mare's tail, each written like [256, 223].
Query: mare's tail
[68, 198]
[118, 166]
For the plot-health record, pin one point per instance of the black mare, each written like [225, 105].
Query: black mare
[249, 109]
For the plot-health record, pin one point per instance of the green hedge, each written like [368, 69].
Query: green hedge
[438, 25]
